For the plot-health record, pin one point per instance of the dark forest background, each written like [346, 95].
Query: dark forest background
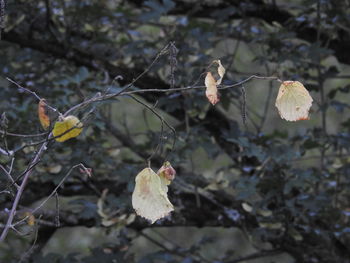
[250, 187]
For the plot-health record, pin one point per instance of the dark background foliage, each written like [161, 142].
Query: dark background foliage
[267, 191]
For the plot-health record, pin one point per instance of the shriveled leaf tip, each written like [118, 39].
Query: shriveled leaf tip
[167, 172]
[221, 71]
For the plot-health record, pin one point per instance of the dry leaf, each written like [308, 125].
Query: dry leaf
[149, 198]
[293, 101]
[167, 172]
[43, 114]
[221, 71]
[211, 84]
[68, 127]
[212, 91]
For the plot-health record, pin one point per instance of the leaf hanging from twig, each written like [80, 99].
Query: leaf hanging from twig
[293, 101]
[149, 198]
[212, 91]
[43, 114]
[67, 128]
[211, 84]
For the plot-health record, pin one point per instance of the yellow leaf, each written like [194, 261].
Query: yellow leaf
[43, 114]
[30, 219]
[67, 128]
[212, 91]
[293, 101]
[150, 199]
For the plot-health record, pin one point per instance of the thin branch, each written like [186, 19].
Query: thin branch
[52, 193]
[109, 96]
[122, 92]
[33, 94]
[29, 167]
[8, 225]
[8, 173]
[77, 125]
[249, 79]
[176, 251]
[163, 121]
[30, 250]
[6, 153]
[23, 135]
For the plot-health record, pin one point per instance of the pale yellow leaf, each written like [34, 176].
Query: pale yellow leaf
[212, 91]
[221, 71]
[67, 128]
[247, 207]
[293, 101]
[149, 198]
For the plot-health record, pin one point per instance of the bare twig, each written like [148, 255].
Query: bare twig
[8, 173]
[33, 94]
[163, 121]
[30, 250]
[23, 135]
[8, 225]
[122, 92]
[176, 251]
[4, 152]
[52, 193]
